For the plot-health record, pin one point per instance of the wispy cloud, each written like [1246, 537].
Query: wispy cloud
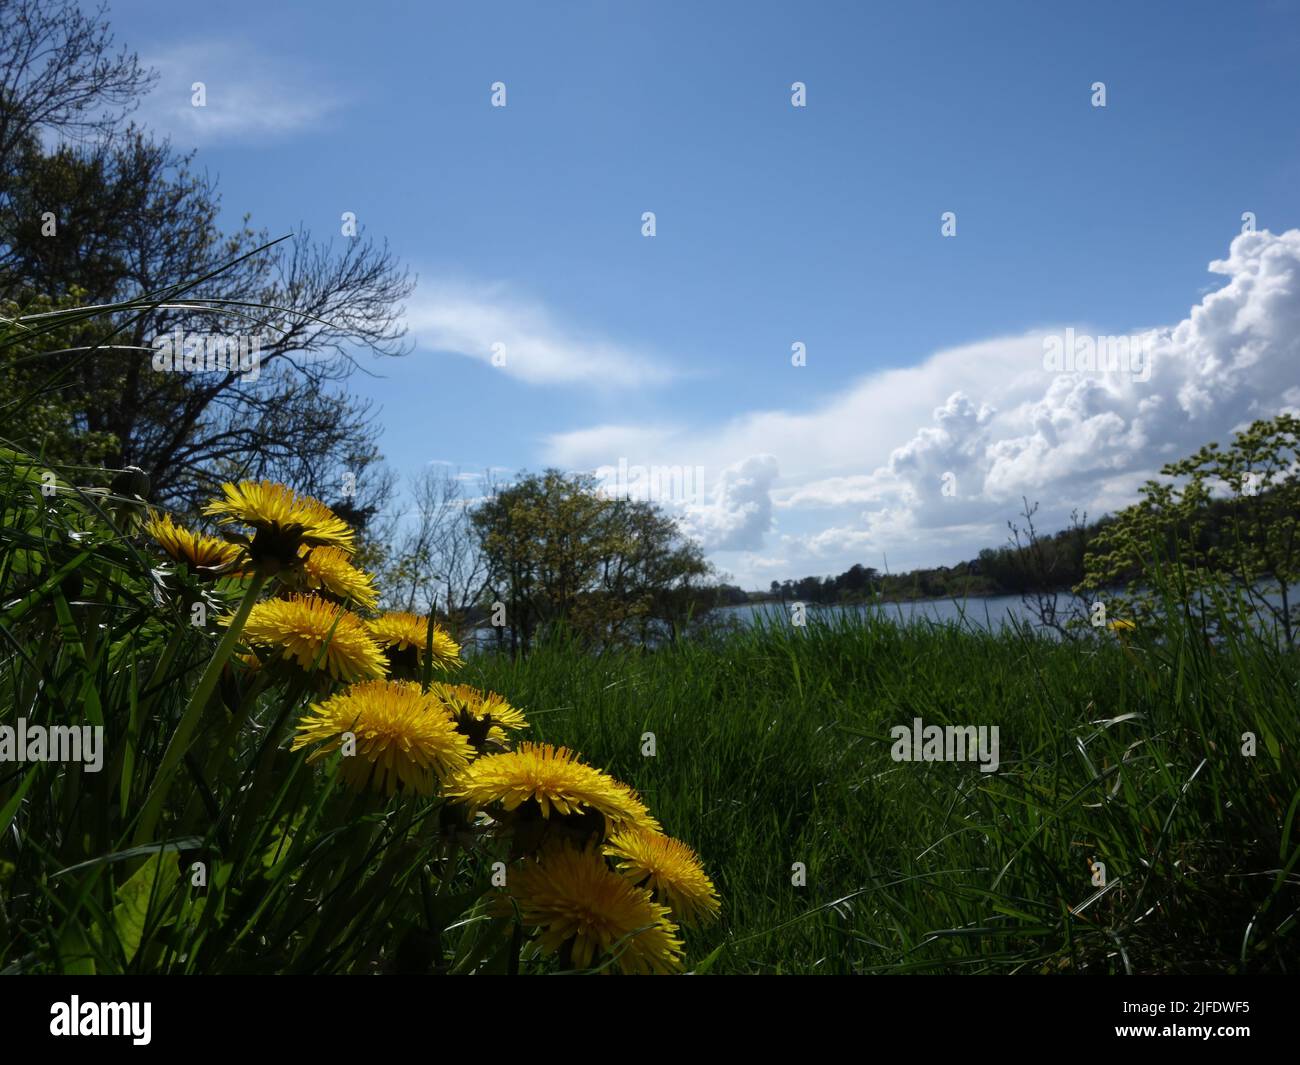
[525, 340]
[250, 95]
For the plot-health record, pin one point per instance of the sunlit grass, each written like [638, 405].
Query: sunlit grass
[772, 747]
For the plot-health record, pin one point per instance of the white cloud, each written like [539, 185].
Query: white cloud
[865, 472]
[830, 492]
[251, 95]
[526, 339]
[832, 542]
[739, 512]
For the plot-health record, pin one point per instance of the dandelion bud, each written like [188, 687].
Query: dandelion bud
[132, 483]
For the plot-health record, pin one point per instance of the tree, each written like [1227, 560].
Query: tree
[60, 76]
[1227, 518]
[857, 581]
[47, 426]
[615, 571]
[1039, 567]
[436, 562]
[136, 221]
[130, 218]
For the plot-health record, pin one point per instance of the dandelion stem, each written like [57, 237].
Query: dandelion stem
[448, 867]
[516, 945]
[180, 741]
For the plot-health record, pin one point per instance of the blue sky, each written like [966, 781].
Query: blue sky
[778, 224]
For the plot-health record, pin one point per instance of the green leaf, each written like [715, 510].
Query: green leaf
[706, 963]
[76, 956]
[11, 807]
[152, 883]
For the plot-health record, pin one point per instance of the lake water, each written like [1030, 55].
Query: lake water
[988, 613]
[991, 612]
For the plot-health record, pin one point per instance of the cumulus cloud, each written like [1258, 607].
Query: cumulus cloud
[739, 511]
[990, 423]
[524, 340]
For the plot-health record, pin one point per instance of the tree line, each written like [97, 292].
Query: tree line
[1028, 563]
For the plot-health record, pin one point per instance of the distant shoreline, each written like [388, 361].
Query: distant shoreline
[764, 598]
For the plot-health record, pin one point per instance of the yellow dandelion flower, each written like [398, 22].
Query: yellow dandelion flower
[403, 737]
[1121, 625]
[195, 550]
[403, 636]
[313, 631]
[670, 869]
[283, 521]
[327, 569]
[581, 906]
[480, 715]
[552, 778]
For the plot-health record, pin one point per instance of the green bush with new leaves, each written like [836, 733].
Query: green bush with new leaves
[1226, 518]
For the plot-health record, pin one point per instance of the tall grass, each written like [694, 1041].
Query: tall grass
[772, 747]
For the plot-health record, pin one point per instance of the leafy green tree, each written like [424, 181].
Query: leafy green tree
[614, 571]
[48, 426]
[1226, 518]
